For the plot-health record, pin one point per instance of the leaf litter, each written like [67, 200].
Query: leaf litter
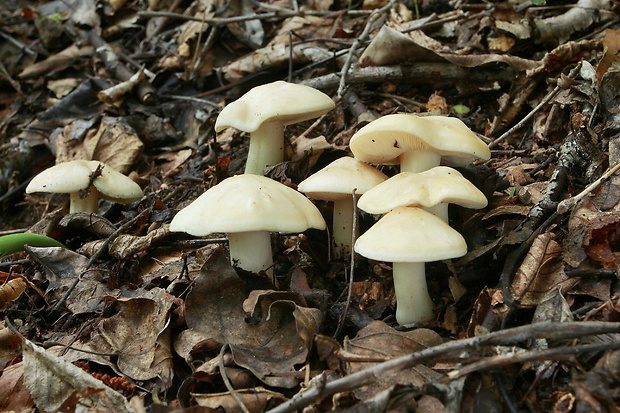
[132, 316]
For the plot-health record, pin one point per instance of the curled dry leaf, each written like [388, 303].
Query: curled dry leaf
[271, 343]
[10, 291]
[379, 342]
[61, 267]
[541, 271]
[592, 227]
[138, 335]
[255, 399]
[114, 143]
[52, 380]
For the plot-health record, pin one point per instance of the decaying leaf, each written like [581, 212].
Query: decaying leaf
[593, 227]
[139, 336]
[114, 143]
[379, 342]
[62, 267]
[270, 343]
[10, 291]
[255, 399]
[540, 272]
[52, 380]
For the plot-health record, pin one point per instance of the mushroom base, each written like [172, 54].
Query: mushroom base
[413, 303]
[251, 251]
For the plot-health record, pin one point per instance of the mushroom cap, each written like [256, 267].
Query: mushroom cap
[278, 101]
[383, 140]
[338, 179]
[437, 185]
[246, 203]
[74, 176]
[408, 234]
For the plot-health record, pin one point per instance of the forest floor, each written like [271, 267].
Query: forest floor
[131, 316]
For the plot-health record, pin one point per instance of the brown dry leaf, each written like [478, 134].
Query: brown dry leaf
[173, 160]
[114, 142]
[437, 103]
[273, 56]
[62, 267]
[52, 380]
[390, 47]
[138, 334]
[124, 246]
[10, 291]
[379, 341]
[593, 226]
[14, 396]
[58, 61]
[255, 399]
[270, 343]
[540, 272]
[611, 42]
[507, 210]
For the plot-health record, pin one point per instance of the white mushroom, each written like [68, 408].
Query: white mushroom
[248, 207]
[264, 111]
[86, 182]
[336, 183]
[433, 190]
[417, 143]
[408, 237]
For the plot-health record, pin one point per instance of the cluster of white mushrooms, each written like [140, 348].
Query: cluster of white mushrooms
[413, 230]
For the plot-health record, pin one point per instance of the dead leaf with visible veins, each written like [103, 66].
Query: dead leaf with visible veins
[52, 380]
[255, 399]
[274, 339]
[62, 267]
[593, 227]
[378, 342]
[114, 143]
[541, 272]
[139, 335]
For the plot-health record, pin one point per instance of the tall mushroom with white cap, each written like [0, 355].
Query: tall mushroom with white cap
[264, 111]
[409, 237]
[86, 182]
[336, 182]
[417, 143]
[432, 190]
[248, 207]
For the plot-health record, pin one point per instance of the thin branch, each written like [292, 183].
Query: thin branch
[507, 337]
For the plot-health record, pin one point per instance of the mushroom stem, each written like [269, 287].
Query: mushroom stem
[440, 210]
[418, 161]
[251, 251]
[413, 303]
[88, 204]
[266, 148]
[342, 227]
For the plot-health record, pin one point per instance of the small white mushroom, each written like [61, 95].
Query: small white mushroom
[336, 183]
[409, 237]
[264, 111]
[86, 182]
[433, 190]
[417, 143]
[248, 207]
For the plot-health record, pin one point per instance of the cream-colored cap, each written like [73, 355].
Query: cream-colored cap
[385, 140]
[246, 203]
[338, 179]
[74, 176]
[408, 234]
[437, 185]
[279, 101]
